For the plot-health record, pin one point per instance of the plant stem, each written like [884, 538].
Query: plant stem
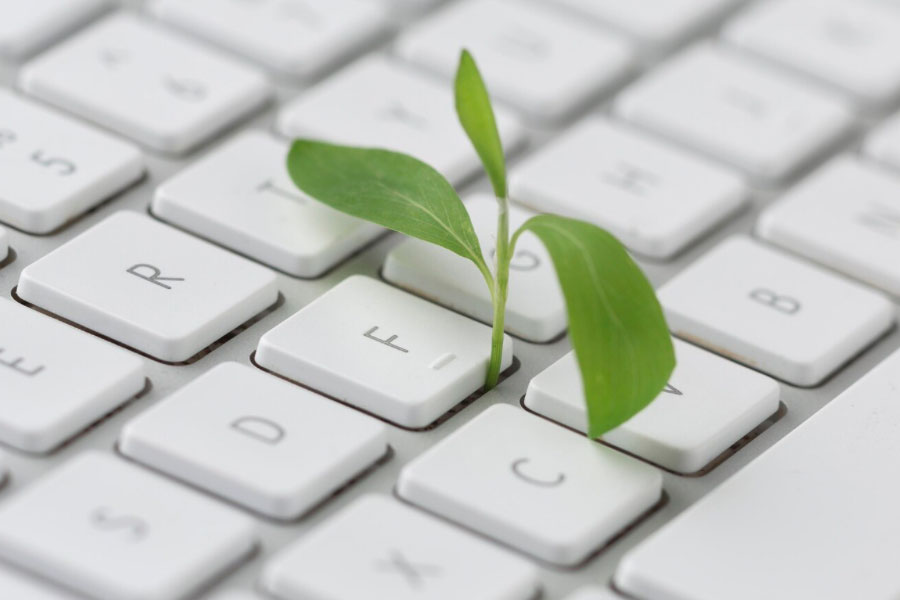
[501, 285]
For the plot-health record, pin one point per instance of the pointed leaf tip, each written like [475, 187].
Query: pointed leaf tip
[473, 106]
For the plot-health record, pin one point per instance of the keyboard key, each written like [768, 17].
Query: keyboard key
[240, 196]
[382, 350]
[145, 82]
[149, 286]
[379, 103]
[736, 110]
[114, 532]
[532, 485]
[884, 143]
[854, 46]
[658, 22]
[56, 168]
[29, 26]
[536, 309]
[655, 198]
[773, 312]
[827, 219]
[261, 442]
[814, 517]
[16, 585]
[396, 552]
[293, 37]
[709, 404]
[57, 380]
[541, 61]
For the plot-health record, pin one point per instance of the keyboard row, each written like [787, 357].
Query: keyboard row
[108, 529]
[104, 527]
[385, 351]
[762, 121]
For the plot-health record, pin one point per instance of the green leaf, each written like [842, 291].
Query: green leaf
[388, 188]
[473, 106]
[616, 324]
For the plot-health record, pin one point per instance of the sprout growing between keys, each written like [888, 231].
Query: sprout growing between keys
[616, 325]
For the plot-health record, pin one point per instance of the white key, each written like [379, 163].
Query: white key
[293, 37]
[854, 46]
[532, 485]
[54, 167]
[396, 552]
[29, 26]
[115, 532]
[814, 517]
[737, 110]
[57, 380]
[655, 198]
[847, 217]
[150, 84]
[149, 286]
[542, 61]
[773, 312]
[19, 586]
[269, 445]
[4, 244]
[241, 196]
[708, 405]
[382, 350]
[657, 22]
[884, 143]
[377, 102]
[536, 309]
[593, 593]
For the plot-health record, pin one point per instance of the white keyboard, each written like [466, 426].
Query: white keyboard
[214, 388]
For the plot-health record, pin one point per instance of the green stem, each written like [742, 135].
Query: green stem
[500, 289]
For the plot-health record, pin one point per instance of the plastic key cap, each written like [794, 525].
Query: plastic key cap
[382, 350]
[149, 286]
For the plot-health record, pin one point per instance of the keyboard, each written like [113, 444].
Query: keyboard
[215, 388]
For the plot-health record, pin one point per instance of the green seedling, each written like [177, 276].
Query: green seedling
[616, 326]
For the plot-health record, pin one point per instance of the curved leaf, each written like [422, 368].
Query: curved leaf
[616, 324]
[388, 188]
[473, 106]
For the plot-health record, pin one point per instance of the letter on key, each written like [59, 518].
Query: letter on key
[255, 439]
[773, 312]
[149, 286]
[54, 167]
[738, 110]
[395, 552]
[241, 197]
[709, 404]
[538, 59]
[112, 531]
[827, 219]
[139, 79]
[531, 484]
[536, 309]
[56, 380]
[380, 103]
[382, 350]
